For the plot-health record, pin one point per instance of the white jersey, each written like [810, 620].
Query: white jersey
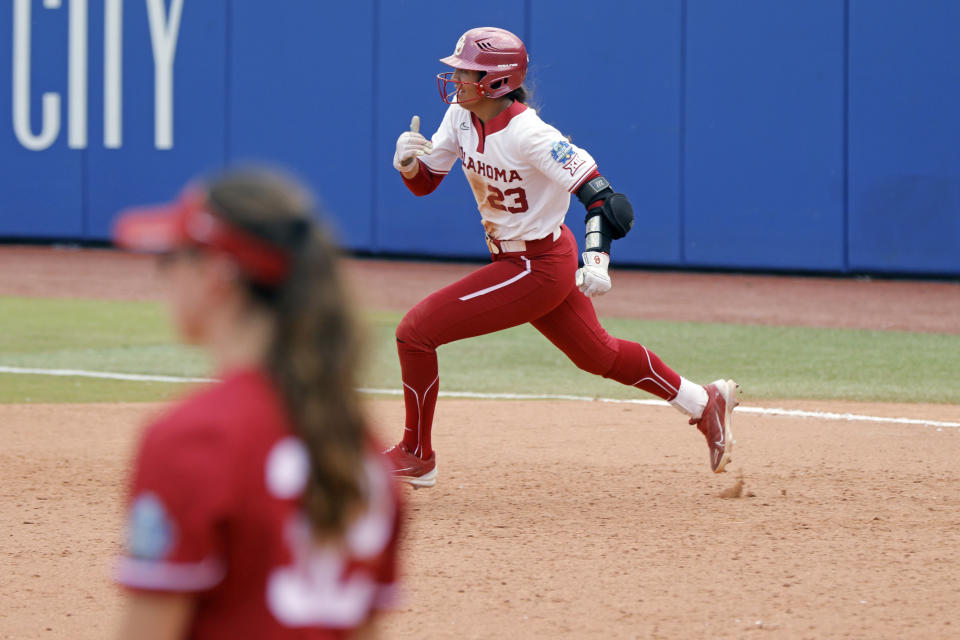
[522, 170]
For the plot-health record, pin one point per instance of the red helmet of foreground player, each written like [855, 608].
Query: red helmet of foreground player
[497, 52]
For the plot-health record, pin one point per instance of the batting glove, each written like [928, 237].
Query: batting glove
[592, 278]
[410, 146]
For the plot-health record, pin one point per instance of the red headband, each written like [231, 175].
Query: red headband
[189, 222]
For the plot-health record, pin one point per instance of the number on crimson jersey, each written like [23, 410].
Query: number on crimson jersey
[516, 204]
[315, 590]
[326, 585]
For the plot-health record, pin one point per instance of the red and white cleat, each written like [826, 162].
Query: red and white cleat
[410, 468]
[715, 421]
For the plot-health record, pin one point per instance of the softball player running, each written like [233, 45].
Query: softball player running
[259, 506]
[522, 172]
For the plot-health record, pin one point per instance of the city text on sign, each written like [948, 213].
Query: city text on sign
[164, 29]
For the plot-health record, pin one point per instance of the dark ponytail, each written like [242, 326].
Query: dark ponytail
[314, 354]
[519, 95]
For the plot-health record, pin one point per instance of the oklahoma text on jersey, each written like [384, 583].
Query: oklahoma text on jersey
[539, 165]
[488, 170]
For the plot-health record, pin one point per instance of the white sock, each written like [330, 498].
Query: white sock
[691, 399]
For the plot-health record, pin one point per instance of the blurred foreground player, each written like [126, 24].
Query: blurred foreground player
[259, 506]
[522, 172]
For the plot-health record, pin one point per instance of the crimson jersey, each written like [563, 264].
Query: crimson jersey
[215, 511]
[521, 170]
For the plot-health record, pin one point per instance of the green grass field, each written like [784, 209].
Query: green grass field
[770, 362]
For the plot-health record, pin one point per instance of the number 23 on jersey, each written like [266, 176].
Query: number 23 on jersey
[516, 199]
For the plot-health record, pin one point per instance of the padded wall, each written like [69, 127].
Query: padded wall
[812, 135]
[764, 134]
[618, 96]
[300, 87]
[905, 136]
[43, 189]
[140, 172]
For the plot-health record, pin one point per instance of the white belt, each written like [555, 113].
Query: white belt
[514, 246]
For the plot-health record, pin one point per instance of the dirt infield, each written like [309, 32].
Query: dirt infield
[562, 519]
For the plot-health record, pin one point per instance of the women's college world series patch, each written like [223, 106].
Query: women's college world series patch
[150, 530]
[562, 151]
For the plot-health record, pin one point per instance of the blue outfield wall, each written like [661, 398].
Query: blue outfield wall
[904, 136]
[763, 152]
[43, 191]
[619, 98]
[299, 93]
[138, 172]
[810, 135]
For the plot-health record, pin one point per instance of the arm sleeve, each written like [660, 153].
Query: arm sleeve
[424, 182]
[559, 159]
[179, 500]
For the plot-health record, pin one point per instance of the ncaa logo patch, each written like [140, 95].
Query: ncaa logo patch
[150, 530]
[561, 151]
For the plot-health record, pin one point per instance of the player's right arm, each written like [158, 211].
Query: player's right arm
[174, 549]
[424, 163]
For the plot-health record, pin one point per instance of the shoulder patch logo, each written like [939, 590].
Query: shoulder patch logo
[562, 152]
[150, 530]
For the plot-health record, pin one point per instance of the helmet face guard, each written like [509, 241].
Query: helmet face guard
[449, 95]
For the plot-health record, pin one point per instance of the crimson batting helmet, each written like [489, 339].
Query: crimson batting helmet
[497, 52]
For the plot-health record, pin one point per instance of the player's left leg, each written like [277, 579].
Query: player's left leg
[508, 292]
[573, 327]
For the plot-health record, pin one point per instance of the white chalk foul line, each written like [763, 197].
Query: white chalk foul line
[79, 373]
[853, 417]
[797, 413]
